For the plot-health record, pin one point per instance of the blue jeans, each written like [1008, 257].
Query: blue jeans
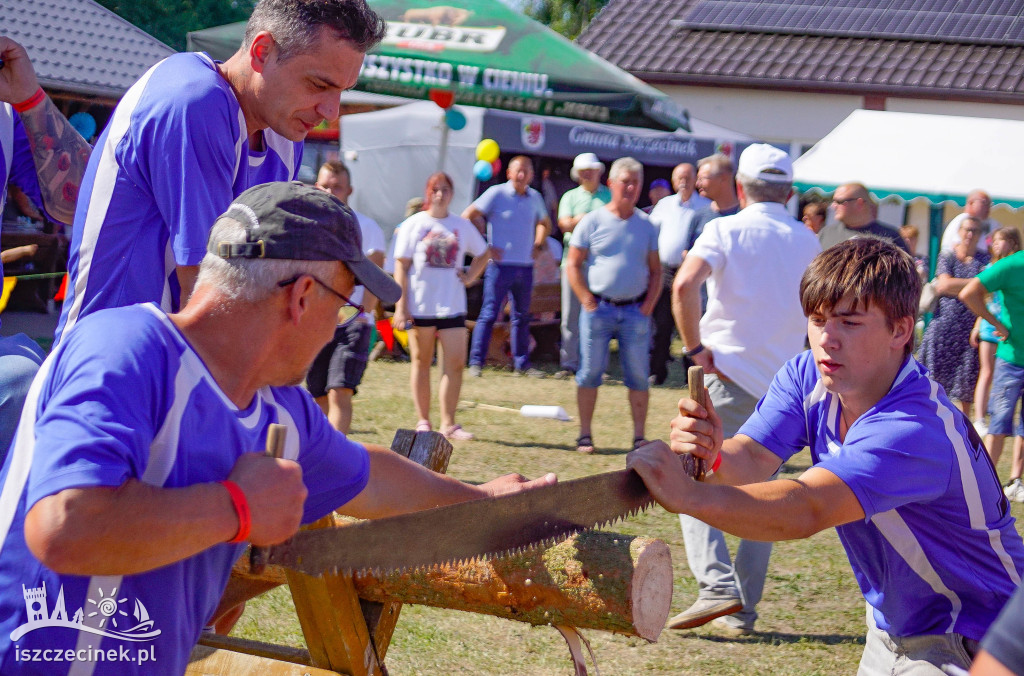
[633, 330]
[500, 281]
[20, 357]
[1007, 385]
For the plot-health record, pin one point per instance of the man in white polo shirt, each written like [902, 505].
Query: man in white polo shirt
[674, 217]
[752, 326]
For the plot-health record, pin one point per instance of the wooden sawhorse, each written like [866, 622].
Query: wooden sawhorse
[344, 635]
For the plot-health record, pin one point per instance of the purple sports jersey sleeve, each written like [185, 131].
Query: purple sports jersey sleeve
[186, 151]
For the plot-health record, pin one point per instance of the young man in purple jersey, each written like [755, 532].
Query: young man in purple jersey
[191, 135]
[896, 468]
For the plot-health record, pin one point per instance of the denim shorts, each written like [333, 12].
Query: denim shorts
[1007, 384]
[631, 327]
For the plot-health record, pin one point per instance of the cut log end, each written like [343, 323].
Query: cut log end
[651, 590]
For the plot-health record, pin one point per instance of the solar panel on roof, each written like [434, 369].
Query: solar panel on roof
[961, 21]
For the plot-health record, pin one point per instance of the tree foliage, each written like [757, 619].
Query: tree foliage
[568, 17]
[170, 20]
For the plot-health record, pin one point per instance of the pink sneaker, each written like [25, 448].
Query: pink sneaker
[456, 433]
[423, 426]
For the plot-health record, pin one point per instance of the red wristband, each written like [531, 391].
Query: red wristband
[717, 463]
[30, 102]
[241, 506]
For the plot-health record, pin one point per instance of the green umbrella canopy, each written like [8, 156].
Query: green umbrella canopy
[492, 56]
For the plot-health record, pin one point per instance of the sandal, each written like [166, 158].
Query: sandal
[584, 444]
[638, 442]
[456, 433]
[423, 426]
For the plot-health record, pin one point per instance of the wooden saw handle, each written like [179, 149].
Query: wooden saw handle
[275, 449]
[695, 467]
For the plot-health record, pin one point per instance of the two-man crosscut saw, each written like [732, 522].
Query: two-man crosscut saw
[480, 528]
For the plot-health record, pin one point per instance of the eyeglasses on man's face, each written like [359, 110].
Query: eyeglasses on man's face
[349, 310]
[845, 201]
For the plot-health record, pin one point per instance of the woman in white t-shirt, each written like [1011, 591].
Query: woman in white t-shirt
[429, 251]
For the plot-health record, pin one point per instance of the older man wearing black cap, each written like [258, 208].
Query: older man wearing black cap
[133, 469]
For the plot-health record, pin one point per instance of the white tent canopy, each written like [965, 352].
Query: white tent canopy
[912, 155]
[390, 153]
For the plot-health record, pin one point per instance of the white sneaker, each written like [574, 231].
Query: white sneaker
[1015, 491]
[981, 427]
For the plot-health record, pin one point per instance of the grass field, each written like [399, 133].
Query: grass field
[811, 617]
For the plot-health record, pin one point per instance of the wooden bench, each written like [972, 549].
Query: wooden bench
[545, 327]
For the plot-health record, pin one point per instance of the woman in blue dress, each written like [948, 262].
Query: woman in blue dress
[946, 348]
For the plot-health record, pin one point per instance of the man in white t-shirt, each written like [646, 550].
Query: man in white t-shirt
[338, 369]
[753, 324]
[978, 205]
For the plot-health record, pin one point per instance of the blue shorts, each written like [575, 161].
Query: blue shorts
[631, 327]
[1007, 385]
[342, 362]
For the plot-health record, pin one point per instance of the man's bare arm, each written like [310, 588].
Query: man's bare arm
[973, 296]
[136, 527]
[577, 282]
[60, 155]
[769, 511]
[58, 151]
[398, 485]
[653, 283]
[477, 218]
[686, 298]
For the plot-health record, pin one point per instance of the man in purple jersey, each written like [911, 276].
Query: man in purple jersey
[896, 468]
[133, 485]
[191, 135]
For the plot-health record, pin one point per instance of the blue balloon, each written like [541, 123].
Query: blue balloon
[84, 124]
[455, 119]
[483, 170]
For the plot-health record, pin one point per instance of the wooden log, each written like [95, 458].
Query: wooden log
[595, 580]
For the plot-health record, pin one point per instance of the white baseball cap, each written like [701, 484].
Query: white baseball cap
[583, 162]
[766, 162]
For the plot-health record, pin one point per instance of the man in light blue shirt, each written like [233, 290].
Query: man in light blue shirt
[515, 221]
[614, 270]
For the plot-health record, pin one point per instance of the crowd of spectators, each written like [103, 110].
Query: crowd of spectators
[210, 306]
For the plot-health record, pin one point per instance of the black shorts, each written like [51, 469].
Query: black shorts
[342, 362]
[457, 322]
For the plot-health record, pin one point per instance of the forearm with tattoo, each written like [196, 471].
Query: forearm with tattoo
[60, 155]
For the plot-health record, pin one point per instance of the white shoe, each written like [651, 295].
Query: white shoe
[981, 427]
[1015, 491]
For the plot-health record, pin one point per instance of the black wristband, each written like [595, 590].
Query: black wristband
[695, 351]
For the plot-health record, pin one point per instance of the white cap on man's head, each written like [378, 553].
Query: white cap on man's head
[767, 163]
[583, 162]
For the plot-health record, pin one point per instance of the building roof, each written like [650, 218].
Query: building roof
[79, 46]
[651, 39]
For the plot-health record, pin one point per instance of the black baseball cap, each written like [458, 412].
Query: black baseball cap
[293, 221]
